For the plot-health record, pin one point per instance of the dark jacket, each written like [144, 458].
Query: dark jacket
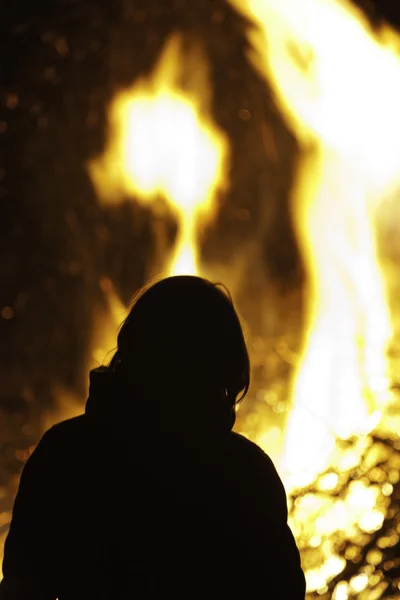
[106, 512]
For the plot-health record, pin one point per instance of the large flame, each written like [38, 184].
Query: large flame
[163, 144]
[337, 83]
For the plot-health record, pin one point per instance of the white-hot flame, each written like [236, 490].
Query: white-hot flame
[337, 83]
[163, 145]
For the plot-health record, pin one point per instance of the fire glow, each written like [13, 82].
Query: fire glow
[337, 84]
[164, 149]
[342, 114]
[163, 145]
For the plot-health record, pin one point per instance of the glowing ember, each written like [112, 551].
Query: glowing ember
[341, 100]
[163, 145]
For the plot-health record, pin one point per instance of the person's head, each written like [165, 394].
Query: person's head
[184, 335]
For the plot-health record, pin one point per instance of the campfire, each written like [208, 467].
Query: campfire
[338, 453]
[336, 84]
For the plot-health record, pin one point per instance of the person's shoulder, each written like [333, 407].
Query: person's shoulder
[250, 449]
[75, 425]
[261, 469]
[65, 433]
[68, 427]
[58, 443]
[255, 459]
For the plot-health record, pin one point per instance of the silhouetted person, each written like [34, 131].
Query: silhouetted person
[150, 494]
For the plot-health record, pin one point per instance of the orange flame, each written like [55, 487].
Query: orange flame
[163, 145]
[338, 86]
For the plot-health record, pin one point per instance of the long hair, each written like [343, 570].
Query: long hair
[184, 332]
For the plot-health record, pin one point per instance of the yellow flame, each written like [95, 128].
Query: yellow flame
[163, 144]
[106, 321]
[337, 83]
